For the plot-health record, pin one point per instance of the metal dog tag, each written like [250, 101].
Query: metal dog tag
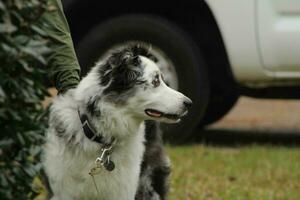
[109, 165]
[105, 159]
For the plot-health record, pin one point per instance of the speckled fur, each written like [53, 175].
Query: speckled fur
[114, 111]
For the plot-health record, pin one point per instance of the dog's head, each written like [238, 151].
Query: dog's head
[132, 81]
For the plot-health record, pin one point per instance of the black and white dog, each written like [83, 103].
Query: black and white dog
[98, 144]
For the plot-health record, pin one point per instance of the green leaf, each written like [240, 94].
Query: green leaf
[3, 180]
[6, 142]
[39, 46]
[18, 16]
[28, 81]
[9, 49]
[21, 139]
[2, 6]
[35, 150]
[21, 39]
[30, 171]
[34, 54]
[39, 30]
[7, 28]
[2, 93]
[2, 112]
[15, 115]
[25, 65]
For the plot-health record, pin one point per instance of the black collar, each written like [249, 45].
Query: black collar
[88, 130]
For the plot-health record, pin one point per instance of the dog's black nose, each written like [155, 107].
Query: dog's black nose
[188, 103]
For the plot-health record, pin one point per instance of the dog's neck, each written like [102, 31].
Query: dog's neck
[112, 122]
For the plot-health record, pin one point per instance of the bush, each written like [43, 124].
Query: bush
[23, 46]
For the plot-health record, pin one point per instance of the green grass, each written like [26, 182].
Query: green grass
[247, 173]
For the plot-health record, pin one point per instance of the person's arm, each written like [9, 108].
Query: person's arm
[62, 61]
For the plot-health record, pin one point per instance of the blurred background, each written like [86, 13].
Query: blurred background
[239, 61]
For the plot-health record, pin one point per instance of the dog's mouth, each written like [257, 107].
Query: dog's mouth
[158, 114]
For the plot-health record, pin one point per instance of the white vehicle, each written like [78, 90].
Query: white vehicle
[212, 50]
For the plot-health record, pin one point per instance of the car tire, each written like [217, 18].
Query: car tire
[219, 104]
[173, 41]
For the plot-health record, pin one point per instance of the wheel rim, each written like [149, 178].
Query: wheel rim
[164, 63]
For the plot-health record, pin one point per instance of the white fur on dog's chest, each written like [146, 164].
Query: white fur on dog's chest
[70, 170]
[122, 182]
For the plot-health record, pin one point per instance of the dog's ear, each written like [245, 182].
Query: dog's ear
[122, 70]
[117, 63]
[142, 49]
[124, 58]
[128, 68]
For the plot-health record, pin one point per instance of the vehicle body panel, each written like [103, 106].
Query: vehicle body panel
[262, 39]
[279, 36]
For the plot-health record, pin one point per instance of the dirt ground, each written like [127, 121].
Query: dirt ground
[255, 121]
[262, 114]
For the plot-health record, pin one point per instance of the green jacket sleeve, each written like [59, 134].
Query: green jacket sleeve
[62, 61]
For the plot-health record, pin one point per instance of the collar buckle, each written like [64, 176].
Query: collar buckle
[88, 130]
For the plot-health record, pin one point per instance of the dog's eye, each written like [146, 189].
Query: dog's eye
[156, 81]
